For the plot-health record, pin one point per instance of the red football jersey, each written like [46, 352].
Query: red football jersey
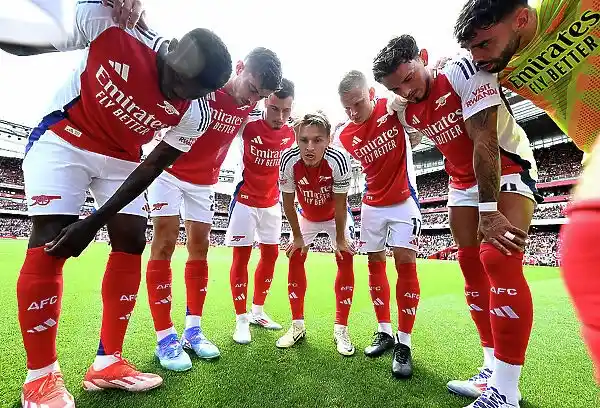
[456, 94]
[262, 147]
[201, 165]
[112, 104]
[382, 147]
[315, 186]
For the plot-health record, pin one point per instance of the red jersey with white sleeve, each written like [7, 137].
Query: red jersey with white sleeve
[315, 186]
[261, 154]
[457, 93]
[202, 164]
[112, 104]
[382, 147]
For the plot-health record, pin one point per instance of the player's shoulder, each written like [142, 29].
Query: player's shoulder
[290, 156]
[342, 131]
[338, 158]
[94, 10]
[460, 68]
[256, 115]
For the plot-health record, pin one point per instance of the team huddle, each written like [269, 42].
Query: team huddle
[135, 86]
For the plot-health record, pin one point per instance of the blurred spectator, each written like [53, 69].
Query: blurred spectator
[433, 184]
[10, 171]
[558, 162]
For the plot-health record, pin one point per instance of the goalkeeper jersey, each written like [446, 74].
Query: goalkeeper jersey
[559, 70]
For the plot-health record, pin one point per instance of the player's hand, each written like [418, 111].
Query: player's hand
[441, 63]
[72, 240]
[498, 231]
[296, 244]
[344, 246]
[128, 13]
[395, 103]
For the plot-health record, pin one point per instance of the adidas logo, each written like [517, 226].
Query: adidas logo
[204, 289]
[346, 301]
[126, 317]
[43, 327]
[121, 69]
[475, 308]
[356, 140]
[504, 311]
[257, 140]
[303, 181]
[378, 302]
[240, 297]
[163, 301]
[293, 295]
[412, 311]
[415, 120]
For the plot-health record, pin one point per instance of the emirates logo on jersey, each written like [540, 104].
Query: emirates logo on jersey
[169, 109]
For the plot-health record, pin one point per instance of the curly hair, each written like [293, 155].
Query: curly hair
[398, 51]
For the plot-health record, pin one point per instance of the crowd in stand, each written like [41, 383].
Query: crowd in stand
[558, 162]
[10, 171]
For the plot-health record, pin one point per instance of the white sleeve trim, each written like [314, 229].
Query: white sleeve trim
[341, 170]
[286, 170]
[478, 90]
[192, 126]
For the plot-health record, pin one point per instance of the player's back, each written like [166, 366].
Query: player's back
[261, 153]
[382, 147]
[457, 93]
[112, 103]
[201, 165]
[558, 70]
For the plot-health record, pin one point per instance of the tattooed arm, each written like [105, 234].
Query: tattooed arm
[493, 225]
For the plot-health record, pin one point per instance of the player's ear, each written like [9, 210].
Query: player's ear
[424, 55]
[239, 67]
[371, 93]
[521, 18]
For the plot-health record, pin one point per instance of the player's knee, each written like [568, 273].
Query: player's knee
[47, 227]
[404, 255]
[127, 233]
[164, 238]
[376, 256]
[198, 247]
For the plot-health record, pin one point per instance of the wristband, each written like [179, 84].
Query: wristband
[488, 207]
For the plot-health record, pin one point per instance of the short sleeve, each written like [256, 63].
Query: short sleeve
[478, 90]
[286, 171]
[91, 19]
[193, 125]
[341, 170]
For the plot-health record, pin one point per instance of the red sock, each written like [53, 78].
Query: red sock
[344, 288]
[119, 291]
[196, 283]
[407, 296]
[39, 293]
[297, 284]
[580, 258]
[238, 278]
[158, 282]
[511, 307]
[379, 287]
[477, 292]
[264, 272]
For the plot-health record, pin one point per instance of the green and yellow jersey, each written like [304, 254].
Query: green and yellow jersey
[559, 70]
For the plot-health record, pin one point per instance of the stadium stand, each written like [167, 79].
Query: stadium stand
[559, 164]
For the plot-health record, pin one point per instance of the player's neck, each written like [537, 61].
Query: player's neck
[530, 30]
[228, 87]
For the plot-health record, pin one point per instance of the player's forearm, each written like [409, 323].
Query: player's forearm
[290, 213]
[341, 214]
[138, 181]
[482, 129]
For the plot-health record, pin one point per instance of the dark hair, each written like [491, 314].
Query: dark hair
[265, 65]
[317, 118]
[398, 51]
[286, 90]
[218, 67]
[482, 14]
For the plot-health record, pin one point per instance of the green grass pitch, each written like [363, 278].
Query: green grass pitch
[558, 372]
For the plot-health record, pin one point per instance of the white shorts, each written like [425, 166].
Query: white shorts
[510, 183]
[168, 196]
[58, 174]
[397, 225]
[245, 222]
[311, 229]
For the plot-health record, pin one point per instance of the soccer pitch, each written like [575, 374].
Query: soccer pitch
[557, 374]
